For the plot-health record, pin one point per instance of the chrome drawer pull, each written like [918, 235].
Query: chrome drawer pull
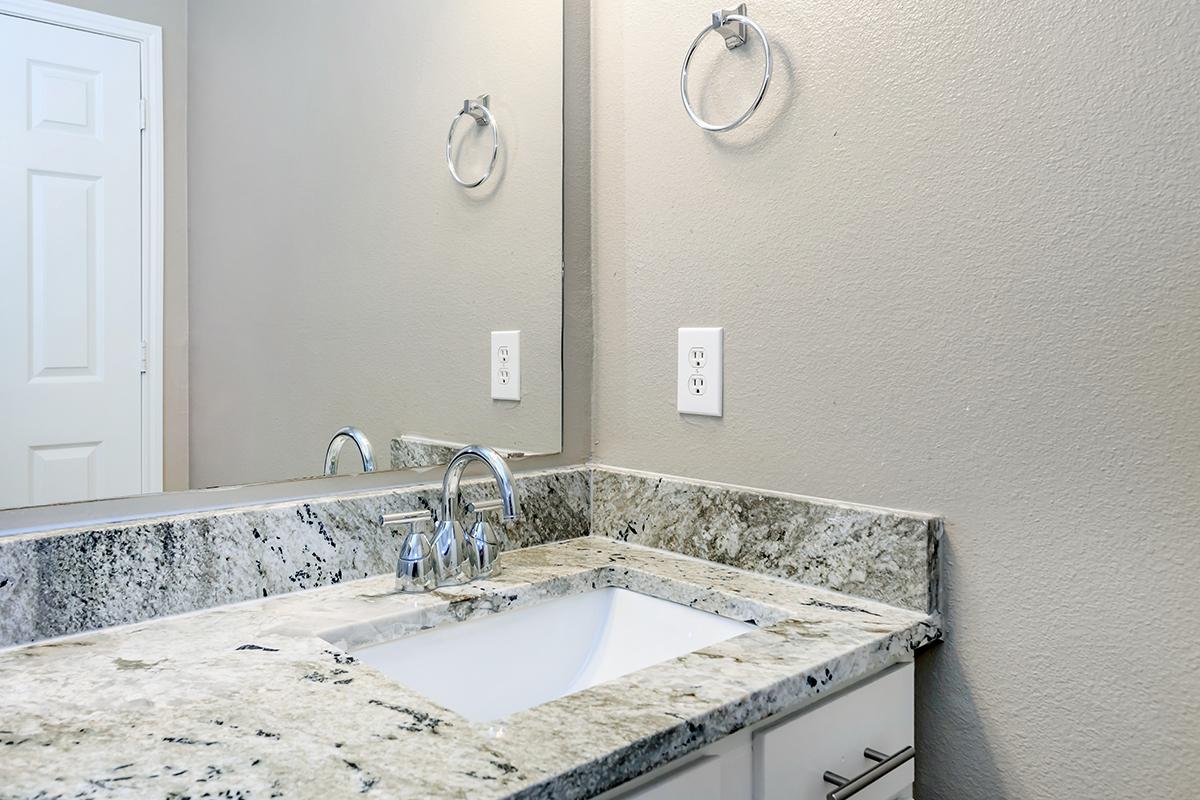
[848, 787]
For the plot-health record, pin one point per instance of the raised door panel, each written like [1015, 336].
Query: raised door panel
[63, 281]
[63, 99]
[61, 473]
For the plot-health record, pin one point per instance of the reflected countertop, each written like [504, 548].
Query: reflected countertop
[261, 699]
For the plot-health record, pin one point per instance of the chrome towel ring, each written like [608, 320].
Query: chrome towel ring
[477, 109]
[732, 25]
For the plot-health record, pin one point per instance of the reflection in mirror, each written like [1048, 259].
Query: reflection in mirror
[230, 230]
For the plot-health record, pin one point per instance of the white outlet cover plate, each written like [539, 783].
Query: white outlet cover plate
[701, 354]
[506, 365]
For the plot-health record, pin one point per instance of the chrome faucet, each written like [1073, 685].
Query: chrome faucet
[453, 556]
[334, 450]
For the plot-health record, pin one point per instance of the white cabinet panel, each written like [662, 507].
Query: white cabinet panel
[723, 771]
[791, 757]
[785, 758]
[700, 780]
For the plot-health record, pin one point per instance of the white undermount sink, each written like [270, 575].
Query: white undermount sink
[490, 667]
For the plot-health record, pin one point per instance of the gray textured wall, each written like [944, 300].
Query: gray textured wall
[338, 276]
[957, 256]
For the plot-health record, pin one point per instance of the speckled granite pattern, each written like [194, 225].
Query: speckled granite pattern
[261, 700]
[63, 582]
[414, 454]
[418, 452]
[889, 556]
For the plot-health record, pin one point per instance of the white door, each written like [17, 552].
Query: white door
[70, 264]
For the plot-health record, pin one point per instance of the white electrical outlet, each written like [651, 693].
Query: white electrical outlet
[506, 365]
[701, 364]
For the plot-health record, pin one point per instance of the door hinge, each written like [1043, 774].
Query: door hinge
[142, 358]
[142, 113]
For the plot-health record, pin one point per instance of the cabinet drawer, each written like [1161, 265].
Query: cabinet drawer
[790, 758]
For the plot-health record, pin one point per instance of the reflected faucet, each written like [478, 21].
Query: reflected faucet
[453, 557]
[334, 450]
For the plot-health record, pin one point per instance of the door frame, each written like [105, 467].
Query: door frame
[149, 39]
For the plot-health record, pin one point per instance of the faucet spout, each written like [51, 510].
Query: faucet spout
[510, 505]
[365, 452]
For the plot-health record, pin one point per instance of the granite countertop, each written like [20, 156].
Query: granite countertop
[248, 701]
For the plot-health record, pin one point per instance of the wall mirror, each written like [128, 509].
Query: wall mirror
[230, 229]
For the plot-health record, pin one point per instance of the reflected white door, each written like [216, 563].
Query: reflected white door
[70, 264]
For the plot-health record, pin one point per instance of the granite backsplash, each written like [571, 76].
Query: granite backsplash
[54, 583]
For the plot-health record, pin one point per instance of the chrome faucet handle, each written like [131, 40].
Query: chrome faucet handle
[410, 518]
[480, 507]
[416, 569]
[484, 543]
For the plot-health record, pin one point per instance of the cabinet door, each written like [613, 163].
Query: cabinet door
[722, 772]
[700, 780]
[791, 757]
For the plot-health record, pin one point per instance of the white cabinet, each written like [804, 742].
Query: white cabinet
[721, 771]
[786, 757]
[792, 756]
[699, 780]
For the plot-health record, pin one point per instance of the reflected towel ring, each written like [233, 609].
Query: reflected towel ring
[732, 25]
[477, 109]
